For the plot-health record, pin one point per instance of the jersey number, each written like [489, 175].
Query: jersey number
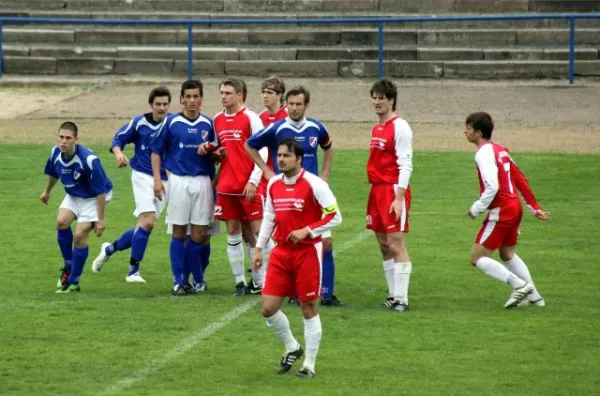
[507, 170]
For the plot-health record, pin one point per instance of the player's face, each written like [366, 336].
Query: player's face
[191, 100]
[296, 107]
[287, 161]
[471, 135]
[66, 141]
[270, 97]
[230, 98]
[160, 107]
[381, 104]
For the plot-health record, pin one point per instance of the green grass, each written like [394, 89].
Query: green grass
[457, 339]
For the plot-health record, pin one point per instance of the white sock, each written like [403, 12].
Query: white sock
[388, 270]
[235, 253]
[312, 339]
[401, 279]
[519, 268]
[497, 271]
[280, 326]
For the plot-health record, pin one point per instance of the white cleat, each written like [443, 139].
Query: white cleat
[101, 259]
[518, 295]
[135, 278]
[536, 303]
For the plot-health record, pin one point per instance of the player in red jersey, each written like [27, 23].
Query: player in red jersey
[388, 170]
[500, 182]
[300, 207]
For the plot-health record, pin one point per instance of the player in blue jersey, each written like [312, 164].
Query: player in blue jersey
[88, 189]
[311, 134]
[140, 131]
[191, 198]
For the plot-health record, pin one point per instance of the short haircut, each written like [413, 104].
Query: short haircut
[300, 90]
[385, 87]
[481, 121]
[157, 93]
[274, 83]
[244, 90]
[192, 84]
[237, 84]
[293, 146]
[69, 126]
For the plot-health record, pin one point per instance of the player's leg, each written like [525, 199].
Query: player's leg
[80, 254]
[179, 212]
[202, 215]
[249, 241]
[229, 209]
[64, 238]
[328, 298]
[517, 266]
[253, 213]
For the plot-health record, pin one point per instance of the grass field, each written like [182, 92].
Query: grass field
[131, 339]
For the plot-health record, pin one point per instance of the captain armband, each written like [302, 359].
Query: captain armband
[330, 209]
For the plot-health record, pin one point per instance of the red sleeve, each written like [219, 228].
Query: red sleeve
[523, 187]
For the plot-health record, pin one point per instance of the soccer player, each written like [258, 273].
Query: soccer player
[88, 189]
[388, 170]
[190, 188]
[300, 207]
[310, 133]
[140, 131]
[500, 181]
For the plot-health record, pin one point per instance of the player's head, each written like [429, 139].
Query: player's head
[232, 92]
[289, 156]
[191, 95]
[244, 91]
[67, 137]
[384, 95]
[272, 90]
[479, 126]
[298, 99]
[159, 100]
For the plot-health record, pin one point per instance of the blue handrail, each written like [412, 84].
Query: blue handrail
[380, 21]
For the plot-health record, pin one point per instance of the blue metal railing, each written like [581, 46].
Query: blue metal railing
[380, 21]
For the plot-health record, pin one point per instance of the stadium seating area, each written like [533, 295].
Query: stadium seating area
[493, 49]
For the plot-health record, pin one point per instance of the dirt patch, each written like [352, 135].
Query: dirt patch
[17, 102]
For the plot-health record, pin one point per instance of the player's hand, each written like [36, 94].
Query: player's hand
[257, 259]
[45, 197]
[471, 215]
[221, 152]
[269, 174]
[204, 149]
[298, 235]
[159, 189]
[99, 228]
[396, 208]
[250, 192]
[541, 215]
[122, 160]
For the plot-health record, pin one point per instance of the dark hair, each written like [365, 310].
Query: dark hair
[244, 90]
[69, 126]
[237, 84]
[299, 91]
[293, 146]
[481, 121]
[385, 87]
[274, 83]
[157, 93]
[192, 84]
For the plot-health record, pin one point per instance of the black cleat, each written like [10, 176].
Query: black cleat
[305, 373]
[288, 359]
[188, 288]
[332, 302]
[399, 306]
[294, 301]
[179, 290]
[240, 290]
[253, 288]
[388, 302]
[62, 279]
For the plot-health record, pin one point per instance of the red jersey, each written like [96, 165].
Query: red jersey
[500, 180]
[237, 168]
[390, 156]
[295, 203]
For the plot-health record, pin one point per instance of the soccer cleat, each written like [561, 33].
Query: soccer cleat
[254, 288]
[332, 302]
[399, 306]
[101, 259]
[288, 359]
[294, 301]
[537, 303]
[388, 302]
[135, 278]
[68, 288]
[305, 373]
[240, 290]
[200, 287]
[62, 279]
[518, 295]
[179, 291]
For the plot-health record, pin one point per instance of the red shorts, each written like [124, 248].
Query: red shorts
[236, 207]
[379, 218]
[500, 227]
[295, 271]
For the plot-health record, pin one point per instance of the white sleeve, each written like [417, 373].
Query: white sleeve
[256, 126]
[332, 217]
[268, 222]
[486, 163]
[403, 142]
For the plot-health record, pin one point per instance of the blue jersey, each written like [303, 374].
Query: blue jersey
[140, 131]
[309, 132]
[178, 141]
[82, 174]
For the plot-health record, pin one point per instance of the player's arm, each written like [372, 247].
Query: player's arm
[98, 187]
[158, 146]
[326, 145]
[258, 142]
[486, 163]
[403, 148]
[125, 135]
[266, 230]
[52, 177]
[526, 192]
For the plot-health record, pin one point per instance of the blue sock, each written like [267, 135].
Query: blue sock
[123, 243]
[328, 274]
[139, 244]
[177, 254]
[193, 260]
[79, 257]
[205, 256]
[65, 244]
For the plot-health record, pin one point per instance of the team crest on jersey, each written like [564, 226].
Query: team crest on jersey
[76, 175]
[313, 141]
[204, 135]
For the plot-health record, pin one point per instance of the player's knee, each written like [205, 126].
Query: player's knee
[327, 244]
[80, 237]
[62, 223]
[309, 309]
[234, 240]
[267, 311]
[506, 255]
[200, 235]
[147, 221]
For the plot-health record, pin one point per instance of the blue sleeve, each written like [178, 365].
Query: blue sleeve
[263, 138]
[324, 138]
[98, 179]
[125, 135]
[159, 143]
[50, 170]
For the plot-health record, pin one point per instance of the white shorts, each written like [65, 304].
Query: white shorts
[214, 228]
[191, 200]
[85, 209]
[143, 193]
